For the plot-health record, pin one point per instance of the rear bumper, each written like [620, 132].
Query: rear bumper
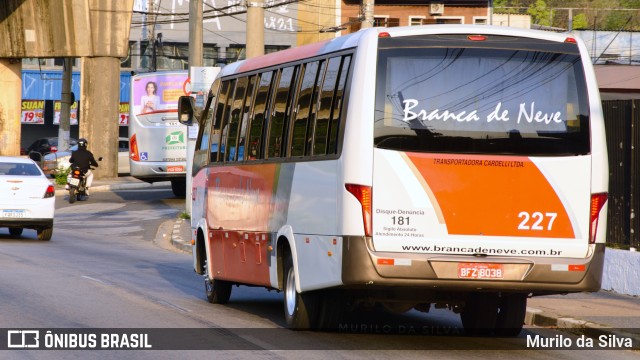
[362, 269]
[156, 171]
[26, 223]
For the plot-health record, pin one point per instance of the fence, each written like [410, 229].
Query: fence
[622, 123]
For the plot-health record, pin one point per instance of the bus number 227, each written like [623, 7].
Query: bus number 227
[536, 220]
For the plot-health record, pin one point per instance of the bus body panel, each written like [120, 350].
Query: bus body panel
[160, 140]
[487, 204]
[248, 205]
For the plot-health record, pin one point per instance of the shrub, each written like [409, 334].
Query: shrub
[61, 175]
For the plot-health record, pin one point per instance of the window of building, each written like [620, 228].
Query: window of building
[385, 21]
[480, 20]
[449, 20]
[416, 20]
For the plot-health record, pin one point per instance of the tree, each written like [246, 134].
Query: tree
[540, 14]
[580, 21]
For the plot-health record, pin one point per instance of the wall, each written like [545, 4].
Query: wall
[622, 271]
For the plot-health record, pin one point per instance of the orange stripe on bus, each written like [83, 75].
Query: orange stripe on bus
[493, 196]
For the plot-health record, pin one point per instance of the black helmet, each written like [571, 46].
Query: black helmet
[82, 143]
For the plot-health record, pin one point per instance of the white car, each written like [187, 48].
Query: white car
[27, 197]
[60, 160]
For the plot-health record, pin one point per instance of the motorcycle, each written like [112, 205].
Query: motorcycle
[77, 185]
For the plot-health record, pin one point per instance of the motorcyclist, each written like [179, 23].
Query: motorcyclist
[84, 159]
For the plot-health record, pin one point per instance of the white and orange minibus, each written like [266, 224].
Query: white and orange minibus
[456, 166]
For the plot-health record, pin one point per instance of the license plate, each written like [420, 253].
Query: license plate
[480, 271]
[14, 214]
[175, 168]
[74, 181]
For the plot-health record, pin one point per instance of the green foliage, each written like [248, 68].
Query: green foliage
[580, 22]
[61, 175]
[540, 13]
[184, 215]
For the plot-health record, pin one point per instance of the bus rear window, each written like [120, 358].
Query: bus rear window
[481, 100]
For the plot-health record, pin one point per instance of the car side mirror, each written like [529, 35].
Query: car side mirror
[100, 158]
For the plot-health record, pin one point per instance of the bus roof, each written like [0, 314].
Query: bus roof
[352, 40]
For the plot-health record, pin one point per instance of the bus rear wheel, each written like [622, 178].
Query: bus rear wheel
[179, 188]
[480, 313]
[512, 311]
[299, 309]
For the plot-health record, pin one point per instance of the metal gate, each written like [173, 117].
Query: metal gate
[622, 123]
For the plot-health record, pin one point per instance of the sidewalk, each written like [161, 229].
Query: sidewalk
[593, 314]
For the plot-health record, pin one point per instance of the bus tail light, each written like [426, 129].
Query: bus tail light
[570, 40]
[363, 194]
[597, 202]
[477, 37]
[133, 146]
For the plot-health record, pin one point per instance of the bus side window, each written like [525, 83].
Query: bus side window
[225, 121]
[219, 113]
[244, 121]
[235, 119]
[325, 103]
[303, 116]
[259, 117]
[202, 152]
[334, 128]
[280, 113]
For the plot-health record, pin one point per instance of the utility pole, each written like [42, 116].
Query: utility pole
[367, 8]
[255, 28]
[66, 100]
[195, 59]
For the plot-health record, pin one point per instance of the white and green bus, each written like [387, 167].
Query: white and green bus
[157, 141]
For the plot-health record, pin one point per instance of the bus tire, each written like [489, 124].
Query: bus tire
[511, 314]
[299, 309]
[480, 314]
[216, 291]
[331, 310]
[15, 232]
[179, 188]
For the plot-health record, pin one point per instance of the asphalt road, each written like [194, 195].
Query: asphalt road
[103, 269]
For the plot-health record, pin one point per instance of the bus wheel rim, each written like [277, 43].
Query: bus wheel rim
[290, 292]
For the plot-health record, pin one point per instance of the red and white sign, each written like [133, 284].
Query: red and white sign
[73, 113]
[32, 112]
[123, 118]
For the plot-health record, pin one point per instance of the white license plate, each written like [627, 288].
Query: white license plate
[74, 181]
[14, 214]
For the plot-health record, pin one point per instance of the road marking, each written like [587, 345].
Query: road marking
[96, 280]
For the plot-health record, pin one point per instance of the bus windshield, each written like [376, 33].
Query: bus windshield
[481, 100]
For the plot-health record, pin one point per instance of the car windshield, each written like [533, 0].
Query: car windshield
[24, 169]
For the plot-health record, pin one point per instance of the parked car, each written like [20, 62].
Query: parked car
[47, 145]
[28, 197]
[60, 160]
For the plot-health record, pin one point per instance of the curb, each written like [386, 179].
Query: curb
[177, 240]
[537, 317]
